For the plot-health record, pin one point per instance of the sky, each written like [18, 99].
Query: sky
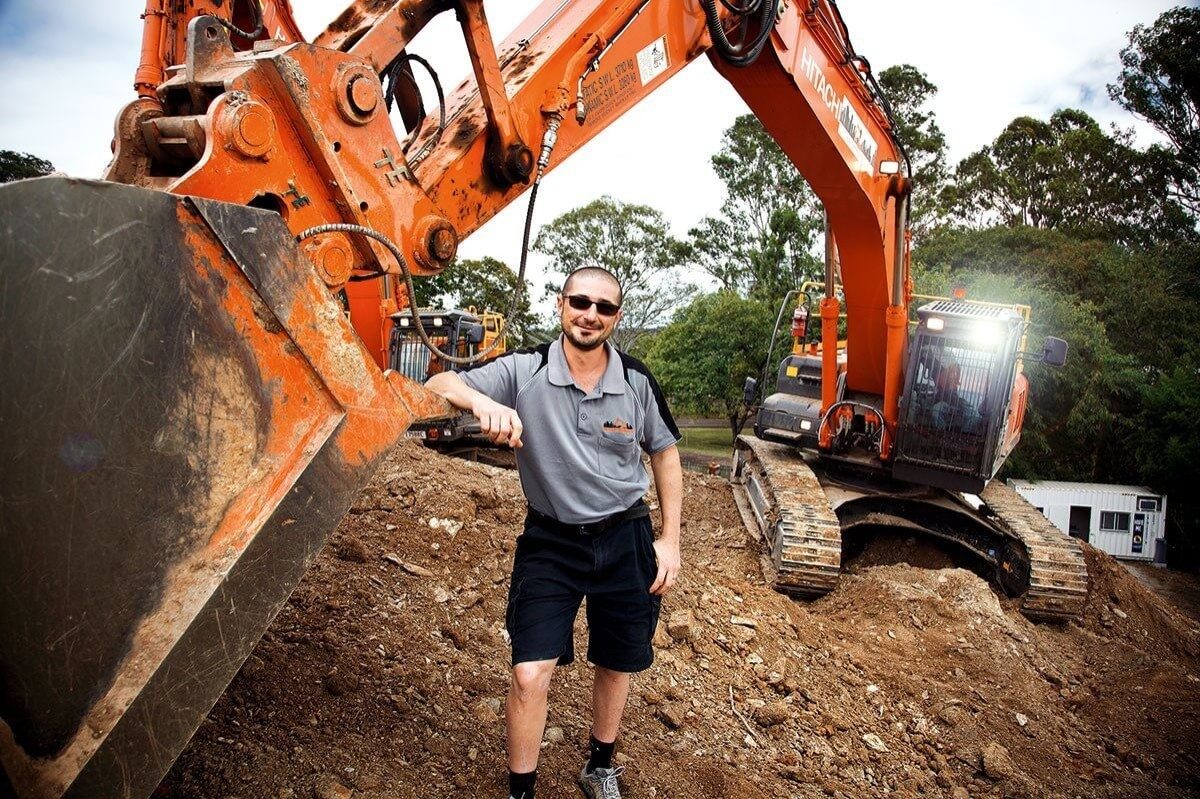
[66, 69]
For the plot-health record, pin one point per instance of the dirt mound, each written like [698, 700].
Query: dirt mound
[385, 673]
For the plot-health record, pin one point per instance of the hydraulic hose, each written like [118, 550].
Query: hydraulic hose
[746, 54]
[393, 72]
[341, 227]
[258, 23]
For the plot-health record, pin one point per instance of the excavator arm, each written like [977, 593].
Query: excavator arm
[199, 412]
[322, 151]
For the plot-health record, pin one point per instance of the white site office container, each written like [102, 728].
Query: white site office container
[1125, 521]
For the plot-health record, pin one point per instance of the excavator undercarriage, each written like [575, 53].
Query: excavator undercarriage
[803, 505]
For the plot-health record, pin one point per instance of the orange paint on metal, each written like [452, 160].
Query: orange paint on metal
[324, 168]
[831, 309]
[299, 421]
[896, 319]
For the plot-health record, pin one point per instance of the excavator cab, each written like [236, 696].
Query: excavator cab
[958, 394]
[460, 333]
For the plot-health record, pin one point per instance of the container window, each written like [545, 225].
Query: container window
[1114, 522]
[1148, 504]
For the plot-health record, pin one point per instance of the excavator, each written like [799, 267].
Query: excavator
[195, 353]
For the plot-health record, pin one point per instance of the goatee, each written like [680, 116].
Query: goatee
[586, 346]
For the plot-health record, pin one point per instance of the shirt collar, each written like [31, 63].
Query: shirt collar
[611, 382]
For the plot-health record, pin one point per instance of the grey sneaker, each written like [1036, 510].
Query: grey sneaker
[601, 783]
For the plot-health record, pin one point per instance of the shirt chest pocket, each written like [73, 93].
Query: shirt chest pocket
[620, 454]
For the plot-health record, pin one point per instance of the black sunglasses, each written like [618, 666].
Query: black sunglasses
[581, 303]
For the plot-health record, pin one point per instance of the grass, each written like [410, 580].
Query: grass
[713, 441]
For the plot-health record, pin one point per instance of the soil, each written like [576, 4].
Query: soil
[384, 675]
[1182, 589]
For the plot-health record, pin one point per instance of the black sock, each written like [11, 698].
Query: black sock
[601, 754]
[520, 786]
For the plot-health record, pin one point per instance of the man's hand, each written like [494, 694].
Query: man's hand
[667, 553]
[668, 483]
[498, 422]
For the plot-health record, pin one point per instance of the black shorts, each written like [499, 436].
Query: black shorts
[553, 571]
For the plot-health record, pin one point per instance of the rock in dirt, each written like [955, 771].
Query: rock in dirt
[330, 787]
[682, 625]
[340, 684]
[415, 570]
[772, 714]
[484, 712]
[352, 550]
[672, 716]
[997, 763]
[874, 742]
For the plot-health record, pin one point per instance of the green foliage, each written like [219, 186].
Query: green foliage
[18, 166]
[487, 284]
[703, 357]
[763, 242]
[1068, 174]
[1166, 440]
[716, 442]
[635, 244]
[1147, 298]
[910, 93]
[1160, 82]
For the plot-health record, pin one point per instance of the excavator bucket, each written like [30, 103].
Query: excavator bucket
[186, 413]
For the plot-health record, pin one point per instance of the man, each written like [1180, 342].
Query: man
[579, 413]
[952, 411]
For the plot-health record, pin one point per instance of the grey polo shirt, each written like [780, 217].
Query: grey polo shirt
[581, 454]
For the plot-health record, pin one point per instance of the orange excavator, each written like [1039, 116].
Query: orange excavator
[188, 407]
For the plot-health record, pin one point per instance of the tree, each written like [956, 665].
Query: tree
[1160, 82]
[634, 243]
[763, 242]
[18, 166]
[487, 284]
[909, 92]
[1067, 174]
[1168, 448]
[703, 357]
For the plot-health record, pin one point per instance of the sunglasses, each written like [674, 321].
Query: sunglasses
[581, 303]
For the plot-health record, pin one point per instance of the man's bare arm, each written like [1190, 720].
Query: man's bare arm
[498, 422]
[668, 482]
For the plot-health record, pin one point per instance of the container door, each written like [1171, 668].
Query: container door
[1080, 524]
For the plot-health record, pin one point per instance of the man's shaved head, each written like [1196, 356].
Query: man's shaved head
[594, 272]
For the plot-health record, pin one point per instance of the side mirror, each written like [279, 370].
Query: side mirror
[474, 334]
[1054, 351]
[749, 390]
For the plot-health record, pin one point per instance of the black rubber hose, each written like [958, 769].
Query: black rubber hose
[412, 292]
[742, 11]
[393, 71]
[258, 23]
[745, 55]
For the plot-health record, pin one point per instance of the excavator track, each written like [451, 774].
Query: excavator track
[778, 494]
[1058, 578]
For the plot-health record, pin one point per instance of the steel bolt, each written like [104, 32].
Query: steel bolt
[363, 95]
